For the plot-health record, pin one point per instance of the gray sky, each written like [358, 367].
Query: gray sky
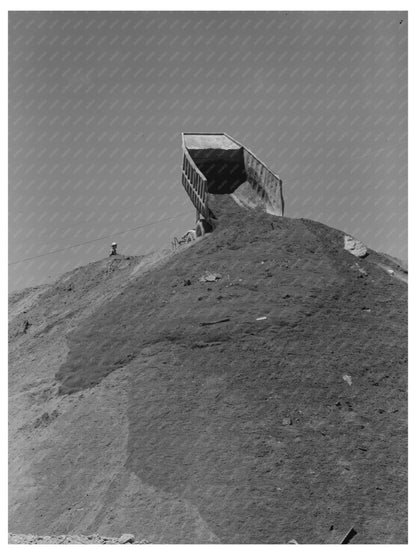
[97, 102]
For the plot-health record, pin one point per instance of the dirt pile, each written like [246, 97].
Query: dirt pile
[264, 405]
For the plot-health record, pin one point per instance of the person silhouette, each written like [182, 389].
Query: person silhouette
[113, 249]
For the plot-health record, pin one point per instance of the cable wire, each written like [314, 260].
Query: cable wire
[97, 239]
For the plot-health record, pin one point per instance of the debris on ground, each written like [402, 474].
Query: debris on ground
[349, 535]
[210, 276]
[361, 270]
[354, 246]
[73, 539]
[215, 322]
[347, 379]
[126, 538]
[399, 273]
[188, 237]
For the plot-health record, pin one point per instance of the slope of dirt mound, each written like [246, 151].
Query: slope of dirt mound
[92, 539]
[266, 405]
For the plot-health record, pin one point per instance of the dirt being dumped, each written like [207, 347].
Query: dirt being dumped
[263, 405]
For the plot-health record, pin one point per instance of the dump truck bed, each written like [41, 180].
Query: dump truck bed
[215, 163]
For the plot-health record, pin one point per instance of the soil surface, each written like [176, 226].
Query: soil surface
[92, 539]
[265, 405]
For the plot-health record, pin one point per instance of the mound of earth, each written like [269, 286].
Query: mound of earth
[264, 404]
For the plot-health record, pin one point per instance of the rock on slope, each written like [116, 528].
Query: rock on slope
[152, 403]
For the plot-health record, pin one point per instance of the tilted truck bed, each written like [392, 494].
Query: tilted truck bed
[215, 163]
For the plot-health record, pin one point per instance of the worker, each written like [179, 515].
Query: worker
[113, 249]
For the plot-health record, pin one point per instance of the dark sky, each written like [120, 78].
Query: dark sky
[97, 102]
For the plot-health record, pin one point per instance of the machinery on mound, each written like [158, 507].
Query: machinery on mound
[216, 164]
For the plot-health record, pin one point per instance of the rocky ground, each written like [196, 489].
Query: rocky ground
[263, 404]
[92, 539]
